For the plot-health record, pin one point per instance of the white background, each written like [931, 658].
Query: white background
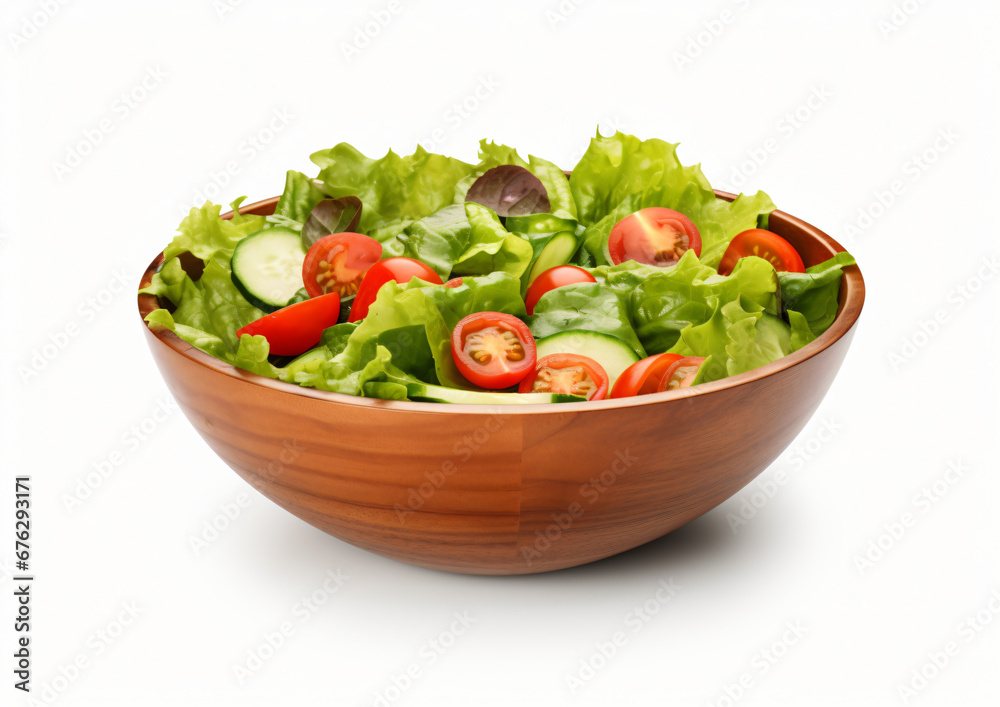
[884, 85]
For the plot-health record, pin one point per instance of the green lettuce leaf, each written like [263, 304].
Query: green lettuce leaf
[409, 348]
[589, 306]
[734, 340]
[161, 319]
[203, 234]
[491, 247]
[439, 239]
[664, 302]
[299, 197]
[621, 174]
[332, 376]
[438, 309]
[393, 188]
[335, 338]
[814, 293]
[801, 333]
[251, 355]
[755, 340]
[209, 308]
[305, 367]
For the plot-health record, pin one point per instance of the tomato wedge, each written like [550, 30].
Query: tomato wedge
[493, 350]
[298, 327]
[454, 282]
[401, 270]
[338, 262]
[654, 236]
[681, 373]
[567, 373]
[643, 377]
[764, 244]
[553, 278]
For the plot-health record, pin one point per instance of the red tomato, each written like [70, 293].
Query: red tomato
[681, 373]
[402, 270]
[338, 262]
[643, 377]
[454, 282]
[654, 236]
[567, 373]
[493, 350]
[553, 278]
[297, 328]
[764, 244]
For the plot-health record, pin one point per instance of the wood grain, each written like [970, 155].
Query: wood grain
[499, 490]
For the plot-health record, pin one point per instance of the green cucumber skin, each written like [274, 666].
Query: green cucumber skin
[235, 268]
[558, 251]
[614, 355]
[259, 304]
[439, 394]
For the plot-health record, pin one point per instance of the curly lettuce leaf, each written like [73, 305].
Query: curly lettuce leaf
[393, 188]
[663, 302]
[203, 234]
[755, 341]
[734, 339]
[300, 197]
[161, 319]
[620, 174]
[209, 308]
[306, 366]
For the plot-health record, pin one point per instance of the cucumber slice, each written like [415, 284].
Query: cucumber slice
[612, 353]
[440, 394]
[310, 356]
[267, 267]
[557, 251]
[539, 223]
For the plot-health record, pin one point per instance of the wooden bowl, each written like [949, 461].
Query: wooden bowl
[509, 490]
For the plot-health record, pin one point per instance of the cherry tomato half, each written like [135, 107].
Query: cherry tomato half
[338, 262]
[764, 244]
[567, 373]
[298, 327]
[553, 278]
[493, 350]
[681, 373]
[654, 236]
[402, 270]
[643, 377]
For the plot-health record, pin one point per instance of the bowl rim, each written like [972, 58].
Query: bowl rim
[852, 297]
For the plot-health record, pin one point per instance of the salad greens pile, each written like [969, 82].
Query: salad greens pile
[415, 206]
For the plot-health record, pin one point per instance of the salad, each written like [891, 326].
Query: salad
[427, 278]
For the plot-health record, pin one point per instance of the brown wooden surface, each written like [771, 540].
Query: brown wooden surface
[513, 490]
